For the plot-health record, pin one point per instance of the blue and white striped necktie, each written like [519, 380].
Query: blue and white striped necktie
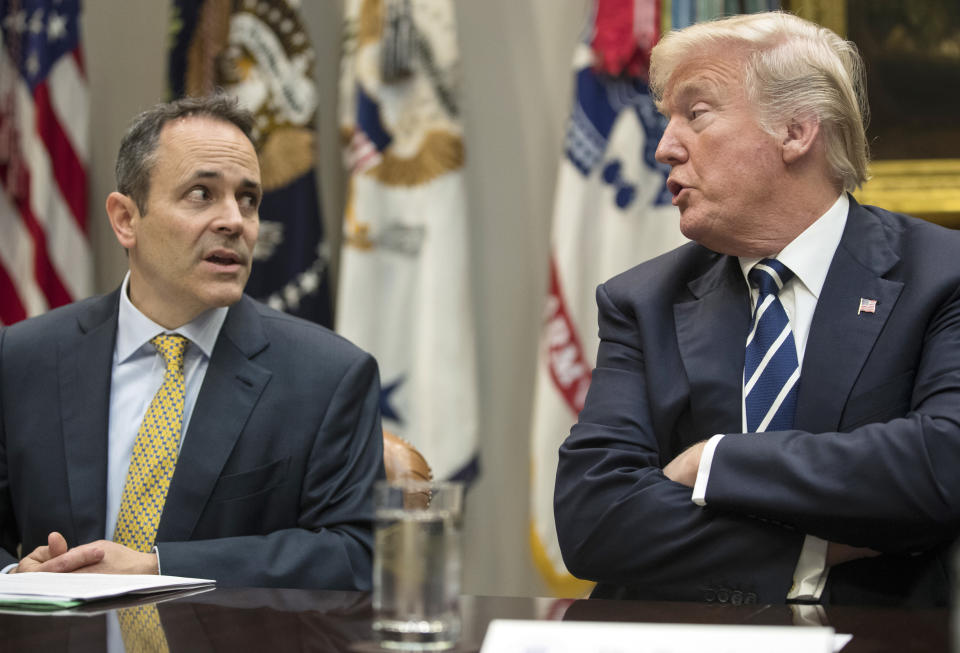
[770, 371]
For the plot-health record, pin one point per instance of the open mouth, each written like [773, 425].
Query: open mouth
[223, 257]
[674, 187]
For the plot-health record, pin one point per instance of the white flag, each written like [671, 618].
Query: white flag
[611, 211]
[404, 292]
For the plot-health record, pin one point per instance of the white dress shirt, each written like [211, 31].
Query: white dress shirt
[808, 256]
[137, 375]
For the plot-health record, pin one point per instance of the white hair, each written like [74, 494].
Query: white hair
[793, 68]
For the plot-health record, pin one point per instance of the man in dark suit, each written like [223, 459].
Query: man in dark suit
[837, 481]
[277, 438]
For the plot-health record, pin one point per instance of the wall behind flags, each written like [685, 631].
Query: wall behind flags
[516, 89]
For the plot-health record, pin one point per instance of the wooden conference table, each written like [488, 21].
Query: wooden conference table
[273, 620]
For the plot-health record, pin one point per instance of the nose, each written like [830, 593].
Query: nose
[670, 150]
[230, 217]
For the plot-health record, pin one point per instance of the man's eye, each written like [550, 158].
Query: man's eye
[697, 109]
[198, 194]
[249, 201]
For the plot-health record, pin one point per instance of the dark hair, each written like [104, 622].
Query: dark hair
[139, 144]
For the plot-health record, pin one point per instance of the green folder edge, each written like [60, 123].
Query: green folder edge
[41, 605]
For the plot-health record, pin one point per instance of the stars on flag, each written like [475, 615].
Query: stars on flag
[56, 26]
[387, 409]
[54, 23]
[16, 22]
[45, 34]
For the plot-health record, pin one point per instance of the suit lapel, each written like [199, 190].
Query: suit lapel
[85, 362]
[841, 339]
[711, 334]
[231, 388]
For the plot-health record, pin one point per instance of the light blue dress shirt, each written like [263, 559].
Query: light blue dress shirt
[137, 375]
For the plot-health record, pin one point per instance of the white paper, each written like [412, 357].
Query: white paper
[49, 587]
[519, 636]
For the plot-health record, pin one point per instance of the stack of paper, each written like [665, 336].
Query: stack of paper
[46, 591]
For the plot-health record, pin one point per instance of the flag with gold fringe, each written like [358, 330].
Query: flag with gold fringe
[611, 211]
[259, 51]
[404, 291]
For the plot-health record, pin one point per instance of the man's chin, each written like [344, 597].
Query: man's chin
[692, 227]
[700, 233]
[227, 296]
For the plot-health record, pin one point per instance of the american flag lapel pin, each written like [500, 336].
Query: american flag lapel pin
[867, 306]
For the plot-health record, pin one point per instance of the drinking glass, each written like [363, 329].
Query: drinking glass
[416, 564]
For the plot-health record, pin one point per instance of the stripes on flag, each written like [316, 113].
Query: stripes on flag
[45, 256]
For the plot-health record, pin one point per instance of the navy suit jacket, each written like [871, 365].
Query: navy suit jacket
[873, 460]
[273, 482]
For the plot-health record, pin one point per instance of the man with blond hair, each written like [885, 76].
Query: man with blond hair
[775, 411]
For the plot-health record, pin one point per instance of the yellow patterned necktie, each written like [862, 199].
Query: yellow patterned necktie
[145, 490]
[154, 453]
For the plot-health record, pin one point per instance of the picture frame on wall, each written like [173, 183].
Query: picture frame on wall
[912, 54]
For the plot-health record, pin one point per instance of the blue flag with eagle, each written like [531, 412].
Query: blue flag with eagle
[259, 51]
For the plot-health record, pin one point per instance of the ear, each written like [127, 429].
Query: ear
[799, 138]
[123, 214]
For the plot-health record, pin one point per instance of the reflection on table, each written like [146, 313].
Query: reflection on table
[235, 620]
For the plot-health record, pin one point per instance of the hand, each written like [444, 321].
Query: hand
[117, 559]
[838, 553]
[56, 557]
[683, 469]
[100, 557]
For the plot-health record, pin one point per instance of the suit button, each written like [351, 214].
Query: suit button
[709, 595]
[723, 595]
[750, 598]
[737, 597]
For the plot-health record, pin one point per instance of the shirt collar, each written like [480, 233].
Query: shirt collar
[134, 329]
[809, 255]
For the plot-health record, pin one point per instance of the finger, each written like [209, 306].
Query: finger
[39, 555]
[56, 544]
[73, 559]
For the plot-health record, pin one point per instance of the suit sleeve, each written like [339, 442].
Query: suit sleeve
[621, 521]
[8, 527]
[331, 545]
[890, 484]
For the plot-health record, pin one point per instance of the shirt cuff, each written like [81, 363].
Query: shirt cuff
[703, 472]
[810, 576]
[156, 552]
[9, 568]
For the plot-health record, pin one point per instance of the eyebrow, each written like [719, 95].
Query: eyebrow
[684, 89]
[214, 174]
[689, 87]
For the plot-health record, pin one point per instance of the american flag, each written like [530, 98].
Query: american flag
[867, 306]
[45, 257]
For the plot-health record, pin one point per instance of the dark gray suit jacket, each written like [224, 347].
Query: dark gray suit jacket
[873, 460]
[273, 482]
